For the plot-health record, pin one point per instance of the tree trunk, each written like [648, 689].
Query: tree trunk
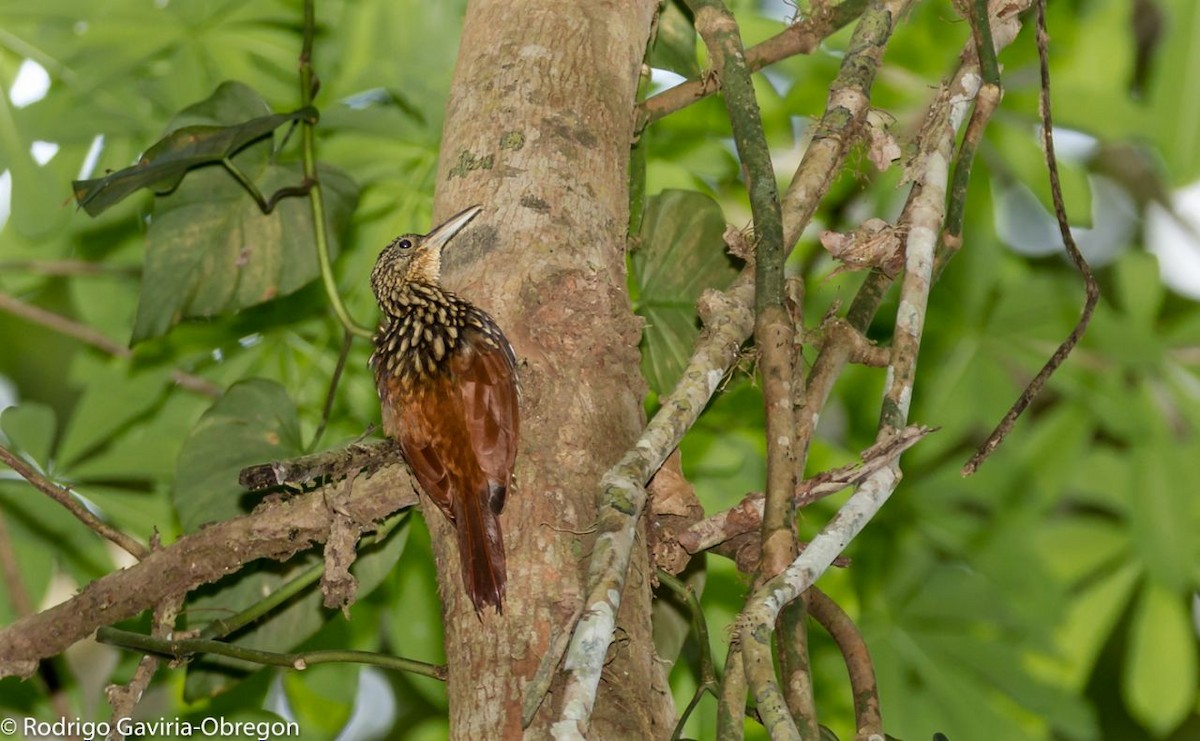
[538, 130]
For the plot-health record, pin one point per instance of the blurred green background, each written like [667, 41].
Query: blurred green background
[1050, 596]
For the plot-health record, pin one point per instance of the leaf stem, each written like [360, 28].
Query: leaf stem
[186, 647]
[308, 87]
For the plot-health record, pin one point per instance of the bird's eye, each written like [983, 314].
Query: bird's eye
[405, 244]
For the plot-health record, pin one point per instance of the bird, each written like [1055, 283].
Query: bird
[447, 382]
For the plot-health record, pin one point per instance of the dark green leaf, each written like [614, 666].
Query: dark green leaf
[113, 395]
[164, 165]
[682, 253]
[255, 422]
[210, 249]
[30, 428]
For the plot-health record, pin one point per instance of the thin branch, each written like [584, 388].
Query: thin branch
[707, 681]
[745, 516]
[622, 498]
[931, 166]
[277, 529]
[731, 707]
[308, 90]
[124, 698]
[791, 638]
[318, 467]
[841, 628]
[985, 105]
[799, 38]
[86, 334]
[188, 647]
[67, 500]
[772, 326]
[1090, 286]
[347, 340]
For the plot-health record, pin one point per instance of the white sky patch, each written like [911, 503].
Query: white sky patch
[366, 98]
[91, 158]
[5, 197]
[42, 151]
[8, 393]
[1071, 145]
[30, 85]
[663, 79]
[1176, 245]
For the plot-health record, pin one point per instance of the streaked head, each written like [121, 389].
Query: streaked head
[416, 258]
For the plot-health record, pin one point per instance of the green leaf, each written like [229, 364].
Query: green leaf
[164, 165]
[210, 249]
[1139, 287]
[682, 253]
[1159, 682]
[30, 428]
[675, 45]
[322, 697]
[255, 422]
[1089, 621]
[46, 531]
[113, 396]
[1163, 515]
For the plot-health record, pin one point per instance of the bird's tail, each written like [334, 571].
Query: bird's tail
[481, 547]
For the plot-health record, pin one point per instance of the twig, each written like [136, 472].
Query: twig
[744, 517]
[754, 625]
[708, 674]
[123, 699]
[187, 647]
[791, 639]
[277, 529]
[985, 105]
[772, 326]
[841, 628]
[308, 89]
[731, 707]
[330, 464]
[86, 334]
[1064, 227]
[347, 340]
[65, 498]
[222, 627]
[798, 38]
[622, 498]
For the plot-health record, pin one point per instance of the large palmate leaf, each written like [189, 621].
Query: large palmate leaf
[210, 249]
[681, 254]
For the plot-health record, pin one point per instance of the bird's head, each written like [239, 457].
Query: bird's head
[415, 258]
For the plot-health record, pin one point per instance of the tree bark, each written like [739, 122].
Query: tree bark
[538, 129]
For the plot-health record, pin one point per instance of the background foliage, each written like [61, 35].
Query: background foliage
[1049, 595]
